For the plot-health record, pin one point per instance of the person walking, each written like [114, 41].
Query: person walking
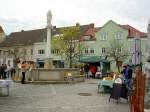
[147, 92]
[23, 69]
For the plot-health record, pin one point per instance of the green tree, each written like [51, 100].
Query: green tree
[68, 44]
[118, 52]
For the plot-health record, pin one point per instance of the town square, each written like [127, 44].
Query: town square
[83, 59]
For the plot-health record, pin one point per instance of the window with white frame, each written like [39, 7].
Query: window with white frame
[86, 37]
[119, 50]
[118, 35]
[103, 50]
[55, 51]
[25, 51]
[41, 51]
[86, 51]
[104, 35]
[92, 51]
[31, 51]
[89, 51]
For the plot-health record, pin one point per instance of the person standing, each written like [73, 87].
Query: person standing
[2, 71]
[8, 70]
[23, 69]
[128, 76]
[86, 70]
[147, 92]
[12, 72]
[93, 71]
[5, 71]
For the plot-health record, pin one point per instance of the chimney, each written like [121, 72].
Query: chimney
[77, 24]
[54, 27]
[92, 25]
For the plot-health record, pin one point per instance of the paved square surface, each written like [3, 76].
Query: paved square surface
[59, 98]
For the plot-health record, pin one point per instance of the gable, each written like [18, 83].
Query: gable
[110, 30]
[111, 25]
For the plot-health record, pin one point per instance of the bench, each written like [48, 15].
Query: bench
[5, 84]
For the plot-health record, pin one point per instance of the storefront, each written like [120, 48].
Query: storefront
[97, 61]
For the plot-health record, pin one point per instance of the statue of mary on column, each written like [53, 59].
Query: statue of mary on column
[49, 18]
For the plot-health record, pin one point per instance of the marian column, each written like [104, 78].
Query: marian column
[48, 58]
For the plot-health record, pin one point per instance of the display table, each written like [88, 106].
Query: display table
[5, 84]
[105, 83]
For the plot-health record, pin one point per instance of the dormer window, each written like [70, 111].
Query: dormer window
[86, 37]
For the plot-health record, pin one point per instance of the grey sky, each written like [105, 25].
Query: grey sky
[31, 14]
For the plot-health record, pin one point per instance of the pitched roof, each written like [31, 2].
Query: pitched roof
[24, 38]
[90, 32]
[133, 32]
[1, 30]
[33, 36]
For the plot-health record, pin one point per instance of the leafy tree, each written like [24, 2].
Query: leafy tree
[118, 52]
[68, 44]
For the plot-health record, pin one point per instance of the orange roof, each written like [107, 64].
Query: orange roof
[133, 32]
[90, 32]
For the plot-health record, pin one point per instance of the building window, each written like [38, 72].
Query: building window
[104, 36]
[31, 51]
[119, 50]
[55, 51]
[24, 51]
[92, 51]
[103, 50]
[118, 35]
[86, 37]
[41, 52]
[86, 50]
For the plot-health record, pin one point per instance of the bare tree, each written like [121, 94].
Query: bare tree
[17, 54]
[118, 51]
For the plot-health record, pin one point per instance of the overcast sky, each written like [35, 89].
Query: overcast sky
[16, 15]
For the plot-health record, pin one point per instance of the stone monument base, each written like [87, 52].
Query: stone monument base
[48, 63]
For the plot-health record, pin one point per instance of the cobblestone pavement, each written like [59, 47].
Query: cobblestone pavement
[59, 98]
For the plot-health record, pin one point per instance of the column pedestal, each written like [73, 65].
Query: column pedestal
[48, 63]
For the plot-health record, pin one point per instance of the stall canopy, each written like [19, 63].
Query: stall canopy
[92, 59]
